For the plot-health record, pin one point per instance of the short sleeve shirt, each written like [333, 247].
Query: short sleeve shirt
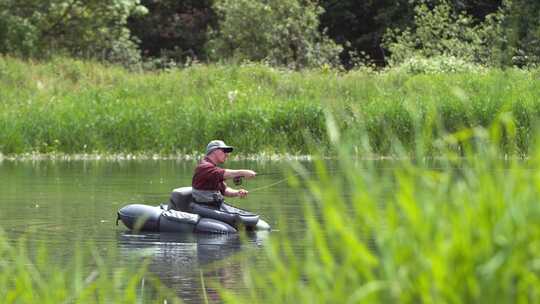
[209, 177]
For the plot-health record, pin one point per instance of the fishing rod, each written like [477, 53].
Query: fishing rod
[275, 183]
[239, 179]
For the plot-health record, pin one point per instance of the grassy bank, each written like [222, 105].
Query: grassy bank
[457, 230]
[81, 107]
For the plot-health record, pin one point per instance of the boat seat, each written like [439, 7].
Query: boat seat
[180, 199]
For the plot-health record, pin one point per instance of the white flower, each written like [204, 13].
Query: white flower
[232, 95]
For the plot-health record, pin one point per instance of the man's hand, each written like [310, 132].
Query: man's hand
[249, 173]
[242, 193]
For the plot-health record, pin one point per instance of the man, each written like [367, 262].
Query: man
[208, 182]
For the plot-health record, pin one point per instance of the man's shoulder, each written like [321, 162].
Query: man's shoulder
[205, 164]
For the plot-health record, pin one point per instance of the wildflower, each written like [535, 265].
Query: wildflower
[232, 96]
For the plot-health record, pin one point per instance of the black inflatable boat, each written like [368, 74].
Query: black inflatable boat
[183, 215]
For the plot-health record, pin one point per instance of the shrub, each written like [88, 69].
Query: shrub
[441, 31]
[436, 65]
[281, 32]
[87, 29]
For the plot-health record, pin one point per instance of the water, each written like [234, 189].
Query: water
[64, 204]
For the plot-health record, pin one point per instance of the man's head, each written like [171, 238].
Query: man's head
[218, 150]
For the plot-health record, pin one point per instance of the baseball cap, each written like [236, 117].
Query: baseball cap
[218, 144]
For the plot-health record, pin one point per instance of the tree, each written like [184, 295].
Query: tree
[477, 9]
[89, 28]
[440, 30]
[174, 30]
[522, 30]
[280, 32]
[360, 25]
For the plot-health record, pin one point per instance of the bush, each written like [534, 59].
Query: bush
[442, 32]
[85, 29]
[522, 33]
[281, 32]
[436, 65]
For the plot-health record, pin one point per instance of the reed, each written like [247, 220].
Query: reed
[71, 106]
[460, 229]
[88, 276]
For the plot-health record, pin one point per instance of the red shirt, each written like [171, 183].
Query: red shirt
[208, 176]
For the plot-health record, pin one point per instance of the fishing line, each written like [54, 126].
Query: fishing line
[270, 185]
[269, 173]
[238, 181]
[281, 180]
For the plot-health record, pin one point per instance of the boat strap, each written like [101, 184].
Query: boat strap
[179, 216]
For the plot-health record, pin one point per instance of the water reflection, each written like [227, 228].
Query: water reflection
[178, 258]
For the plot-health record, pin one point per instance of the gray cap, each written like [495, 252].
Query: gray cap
[218, 144]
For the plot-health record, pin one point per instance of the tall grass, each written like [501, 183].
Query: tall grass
[34, 276]
[451, 230]
[74, 106]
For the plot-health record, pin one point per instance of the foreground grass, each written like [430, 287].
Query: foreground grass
[71, 106]
[455, 230]
[87, 277]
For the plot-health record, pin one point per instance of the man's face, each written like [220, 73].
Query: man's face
[221, 156]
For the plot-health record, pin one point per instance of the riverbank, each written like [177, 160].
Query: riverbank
[59, 156]
[82, 108]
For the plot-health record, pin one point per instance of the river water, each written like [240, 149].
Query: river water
[64, 204]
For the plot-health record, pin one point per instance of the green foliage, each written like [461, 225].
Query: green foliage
[70, 106]
[87, 277]
[359, 26]
[173, 31]
[287, 33]
[452, 230]
[443, 32]
[87, 29]
[282, 33]
[522, 29]
[437, 65]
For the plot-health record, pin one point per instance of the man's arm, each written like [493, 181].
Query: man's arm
[230, 173]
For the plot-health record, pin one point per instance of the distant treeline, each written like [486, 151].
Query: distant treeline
[290, 33]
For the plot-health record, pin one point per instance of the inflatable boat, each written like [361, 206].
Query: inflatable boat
[182, 214]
